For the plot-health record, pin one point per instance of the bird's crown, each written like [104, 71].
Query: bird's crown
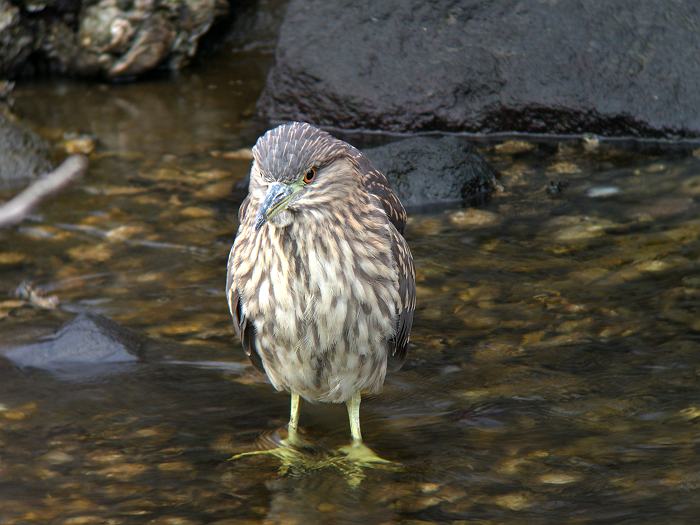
[289, 149]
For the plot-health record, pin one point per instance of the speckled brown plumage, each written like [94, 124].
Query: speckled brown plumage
[322, 295]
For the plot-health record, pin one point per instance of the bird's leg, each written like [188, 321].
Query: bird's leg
[358, 451]
[293, 426]
[288, 450]
[353, 405]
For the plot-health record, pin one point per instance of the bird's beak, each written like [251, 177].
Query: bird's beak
[277, 199]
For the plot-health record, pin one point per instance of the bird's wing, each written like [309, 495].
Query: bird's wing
[398, 344]
[244, 330]
[376, 183]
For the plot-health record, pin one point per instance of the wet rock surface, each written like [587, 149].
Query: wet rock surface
[428, 173]
[482, 66]
[87, 341]
[256, 25]
[103, 37]
[23, 154]
[15, 38]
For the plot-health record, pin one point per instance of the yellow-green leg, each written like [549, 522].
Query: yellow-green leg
[353, 405]
[287, 451]
[293, 426]
[358, 451]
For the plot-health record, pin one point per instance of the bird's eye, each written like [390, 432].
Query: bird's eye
[310, 175]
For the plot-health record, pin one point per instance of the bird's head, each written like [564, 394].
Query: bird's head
[298, 168]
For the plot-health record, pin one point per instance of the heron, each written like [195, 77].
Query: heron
[320, 279]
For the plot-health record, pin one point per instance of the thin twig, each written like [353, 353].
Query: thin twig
[21, 205]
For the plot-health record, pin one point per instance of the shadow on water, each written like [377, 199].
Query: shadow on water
[553, 376]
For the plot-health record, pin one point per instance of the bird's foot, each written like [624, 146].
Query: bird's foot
[362, 455]
[293, 452]
[355, 458]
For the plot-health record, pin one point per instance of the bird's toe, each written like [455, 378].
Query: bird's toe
[363, 455]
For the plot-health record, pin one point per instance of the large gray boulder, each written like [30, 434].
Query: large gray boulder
[629, 67]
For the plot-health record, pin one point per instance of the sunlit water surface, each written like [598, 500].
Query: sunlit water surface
[553, 376]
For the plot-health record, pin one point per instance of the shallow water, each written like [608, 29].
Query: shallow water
[553, 376]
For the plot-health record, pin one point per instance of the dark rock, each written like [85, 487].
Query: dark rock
[256, 25]
[428, 172]
[86, 342]
[609, 68]
[23, 154]
[16, 41]
[104, 37]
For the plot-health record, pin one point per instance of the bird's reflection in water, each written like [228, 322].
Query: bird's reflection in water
[305, 457]
[324, 498]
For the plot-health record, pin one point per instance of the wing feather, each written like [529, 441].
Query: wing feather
[398, 344]
[244, 330]
[376, 183]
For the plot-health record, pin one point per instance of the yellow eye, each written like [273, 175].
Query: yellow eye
[310, 175]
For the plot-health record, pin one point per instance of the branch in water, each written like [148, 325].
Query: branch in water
[21, 205]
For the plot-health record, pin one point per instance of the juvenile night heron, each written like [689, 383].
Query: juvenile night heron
[321, 283]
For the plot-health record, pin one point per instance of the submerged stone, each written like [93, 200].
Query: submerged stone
[82, 344]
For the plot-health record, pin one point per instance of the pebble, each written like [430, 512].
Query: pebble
[514, 501]
[238, 154]
[423, 225]
[652, 266]
[656, 167]
[12, 258]
[514, 147]
[591, 142]
[196, 212]
[115, 191]
[429, 488]
[57, 457]
[174, 466]
[558, 478]
[691, 186]
[166, 174]
[563, 168]
[212, 175]
[215, 190]
[515, 173]
[124, 232]
[93, 253]
[173, 520]
[473, 217]
[110, 456]
[82, 144]
[84, 520]
[14, 415]
[577, 228]
[691, 413]
[123, 471]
